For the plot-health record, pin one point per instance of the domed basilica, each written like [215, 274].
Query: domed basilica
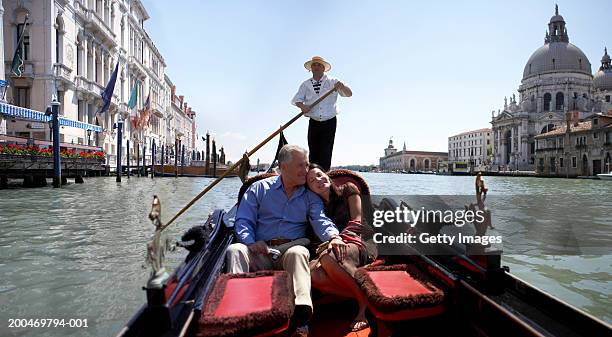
[557, 79]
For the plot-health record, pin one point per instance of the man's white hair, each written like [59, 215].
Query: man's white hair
[285, 153]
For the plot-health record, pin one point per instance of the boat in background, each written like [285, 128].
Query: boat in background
[605, 176]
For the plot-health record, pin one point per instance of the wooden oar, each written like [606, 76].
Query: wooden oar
[248, 154]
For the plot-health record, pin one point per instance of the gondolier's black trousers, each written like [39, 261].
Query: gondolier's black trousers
[321, 142]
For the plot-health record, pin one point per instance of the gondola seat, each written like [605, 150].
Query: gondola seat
[400, 292]
[249, 304]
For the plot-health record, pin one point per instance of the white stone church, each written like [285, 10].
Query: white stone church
[557, 79]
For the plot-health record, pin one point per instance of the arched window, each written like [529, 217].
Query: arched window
[426, 164]
[548, 128]
[79, 58]
[547, 99]
[412, 163]
[59, 39]
[559, 101]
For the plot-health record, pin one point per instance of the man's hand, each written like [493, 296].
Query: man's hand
[305, 108]
[259, 248]
[339, 248]
[339, 86]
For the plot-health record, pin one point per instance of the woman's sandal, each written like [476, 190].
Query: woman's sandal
[358, 325]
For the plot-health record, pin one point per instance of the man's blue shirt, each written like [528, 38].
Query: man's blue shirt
[265, 213]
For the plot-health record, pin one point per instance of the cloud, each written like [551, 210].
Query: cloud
[232, 136]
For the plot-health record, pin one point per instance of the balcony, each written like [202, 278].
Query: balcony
[96, 24]
[157, 109]
[546, 149]
[137, 66]
[83, 84]
[63, 75]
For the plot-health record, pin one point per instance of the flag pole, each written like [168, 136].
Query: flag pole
[245, 156]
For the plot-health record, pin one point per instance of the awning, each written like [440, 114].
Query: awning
[33, 115]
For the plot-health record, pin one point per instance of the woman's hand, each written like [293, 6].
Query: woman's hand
[339, 248]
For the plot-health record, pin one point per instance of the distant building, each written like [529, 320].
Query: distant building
[583, 151]
[471, 147]
[557, 78]
[76, 46]
[410, 160]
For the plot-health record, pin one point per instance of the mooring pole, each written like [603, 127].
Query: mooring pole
[182, 160]
[214, 158]
[163, 160]
[144, 159]
[137, 159]
[127, 155]
[153, 159]
[57, 163]
[207, 153]
[119, 137]
[175, 159]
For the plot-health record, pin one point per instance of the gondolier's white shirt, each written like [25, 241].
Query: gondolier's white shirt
[306, 94]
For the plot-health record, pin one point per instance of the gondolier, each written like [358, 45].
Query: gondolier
[322, 124]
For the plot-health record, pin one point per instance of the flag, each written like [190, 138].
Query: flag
[133, 97]
[146, 112]
[107, 94]
[135, 120]
[19, 54]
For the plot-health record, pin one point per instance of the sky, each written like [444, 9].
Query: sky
[419, 71]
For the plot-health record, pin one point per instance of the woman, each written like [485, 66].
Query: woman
[332, 271]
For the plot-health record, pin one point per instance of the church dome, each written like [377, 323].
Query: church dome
[557, 55]
[603, 78]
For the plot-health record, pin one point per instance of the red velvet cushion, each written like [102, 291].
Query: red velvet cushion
[400, 292]
[397, 283]
[246, 296]
[249, 304]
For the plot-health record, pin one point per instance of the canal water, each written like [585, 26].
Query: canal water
[78, 252]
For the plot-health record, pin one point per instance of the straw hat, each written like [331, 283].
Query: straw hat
[317, 59]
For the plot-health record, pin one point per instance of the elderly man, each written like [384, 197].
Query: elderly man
[322, 124]
[275, 211]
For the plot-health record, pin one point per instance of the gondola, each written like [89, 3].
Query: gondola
[458, 294]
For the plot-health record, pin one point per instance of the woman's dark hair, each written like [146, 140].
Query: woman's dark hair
[334, 191]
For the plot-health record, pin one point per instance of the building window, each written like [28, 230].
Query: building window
[81, 111]
[560, 162]
[559, 101]
[574, 164]
[595, 135]
[22, 97]
[595, 121]
[607, 98]
[547, 99]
